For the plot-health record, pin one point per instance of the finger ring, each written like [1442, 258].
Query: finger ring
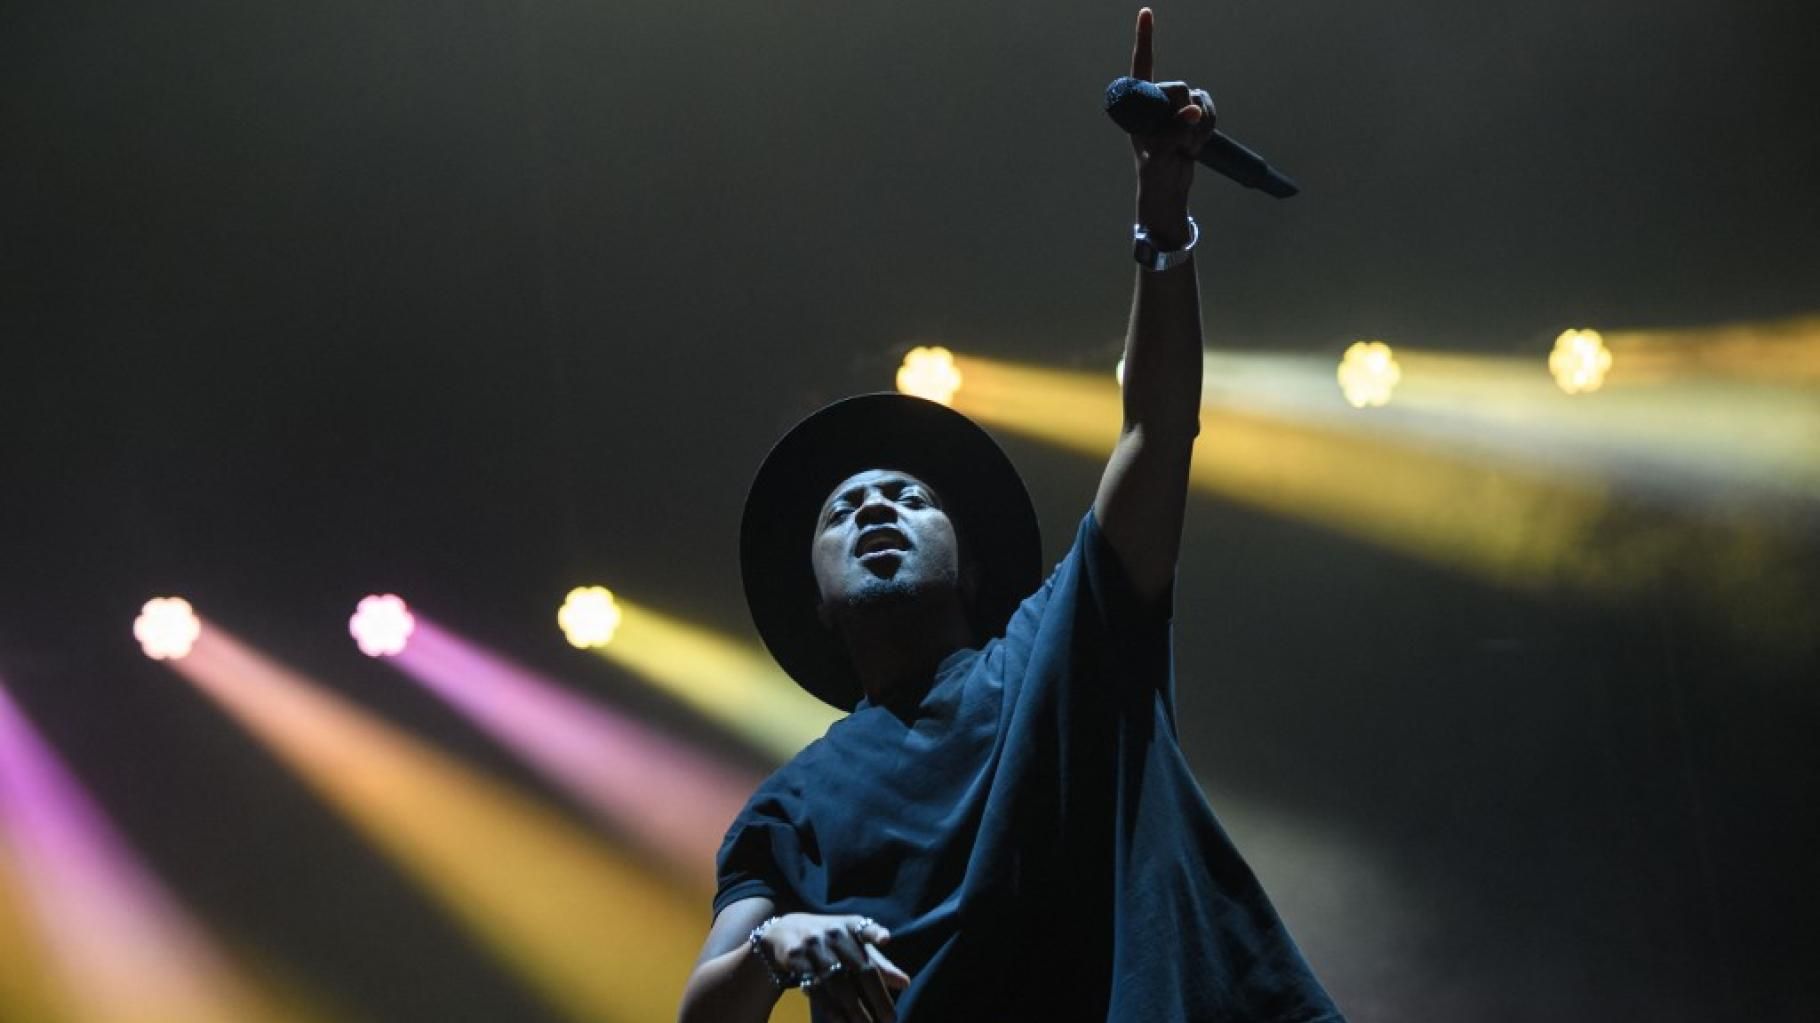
[832, 970]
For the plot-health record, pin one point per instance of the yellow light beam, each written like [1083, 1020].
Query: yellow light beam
[1411, 501]
[584, 926]
[26, 992]
[1514, 525]
[737, 685]
[116, 940]
[1691, 431]
[1699, 441]
[1784, 352]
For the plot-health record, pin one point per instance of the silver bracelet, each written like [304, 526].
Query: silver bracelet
[1144, 250]
[755, 943]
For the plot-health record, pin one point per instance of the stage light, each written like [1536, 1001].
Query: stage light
[1780, 353]
[1548, 484]
[589, 617]
[381, 625]
[1368, 374]
[26, 991]
[551, 900]
[670, 798]
[114, 945]
[1579, 361]
[1342, 477]
[732, 683]
[929, 372]
[166, 628]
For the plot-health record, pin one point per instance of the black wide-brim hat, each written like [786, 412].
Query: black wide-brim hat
[980, 491]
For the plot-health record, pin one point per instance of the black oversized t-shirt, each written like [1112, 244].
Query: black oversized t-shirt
[1028, 830]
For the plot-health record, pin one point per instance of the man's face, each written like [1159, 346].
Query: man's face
[882, 537]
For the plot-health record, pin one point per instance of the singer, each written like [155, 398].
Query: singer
[1004, 828]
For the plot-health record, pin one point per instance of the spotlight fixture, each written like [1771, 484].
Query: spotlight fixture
[1368, 374]
[381, 625]
[929, 372]
[1579, 361]
[166, 628]
[589, 616]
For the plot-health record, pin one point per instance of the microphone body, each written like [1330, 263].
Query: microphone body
[1141, 108]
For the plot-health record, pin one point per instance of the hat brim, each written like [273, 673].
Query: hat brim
[981, 493]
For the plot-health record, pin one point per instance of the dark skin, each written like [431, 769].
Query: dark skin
[888, 563]
[901, 613]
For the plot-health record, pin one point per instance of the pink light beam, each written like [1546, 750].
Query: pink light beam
[674, 800]
[123, 949]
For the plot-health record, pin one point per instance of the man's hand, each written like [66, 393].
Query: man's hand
[1145, 488]
[852, 980]
[1165, 161]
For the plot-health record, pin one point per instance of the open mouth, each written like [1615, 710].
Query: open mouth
[881, 540]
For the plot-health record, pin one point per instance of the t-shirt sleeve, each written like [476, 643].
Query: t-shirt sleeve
[1088, 624]
[1128, 613]
[746, 867]
[1138, 630]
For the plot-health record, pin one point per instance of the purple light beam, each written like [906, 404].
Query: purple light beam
[123, 947]
[674, 800]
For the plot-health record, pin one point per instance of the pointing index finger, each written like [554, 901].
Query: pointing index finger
[1140, 51]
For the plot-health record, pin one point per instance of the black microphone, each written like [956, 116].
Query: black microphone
[1141, 108]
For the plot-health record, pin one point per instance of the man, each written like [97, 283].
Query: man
[1004, 827]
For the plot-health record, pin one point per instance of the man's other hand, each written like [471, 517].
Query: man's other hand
[850, 980]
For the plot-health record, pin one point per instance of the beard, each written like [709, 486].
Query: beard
[883, 596]
[902, 595]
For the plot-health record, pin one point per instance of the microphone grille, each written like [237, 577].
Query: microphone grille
[1137, 106]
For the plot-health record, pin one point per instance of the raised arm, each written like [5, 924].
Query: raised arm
[1145, 486]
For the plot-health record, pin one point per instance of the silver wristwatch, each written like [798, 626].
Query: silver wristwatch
[1152, 258]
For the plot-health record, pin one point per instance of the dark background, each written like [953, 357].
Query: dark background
[475, 302]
